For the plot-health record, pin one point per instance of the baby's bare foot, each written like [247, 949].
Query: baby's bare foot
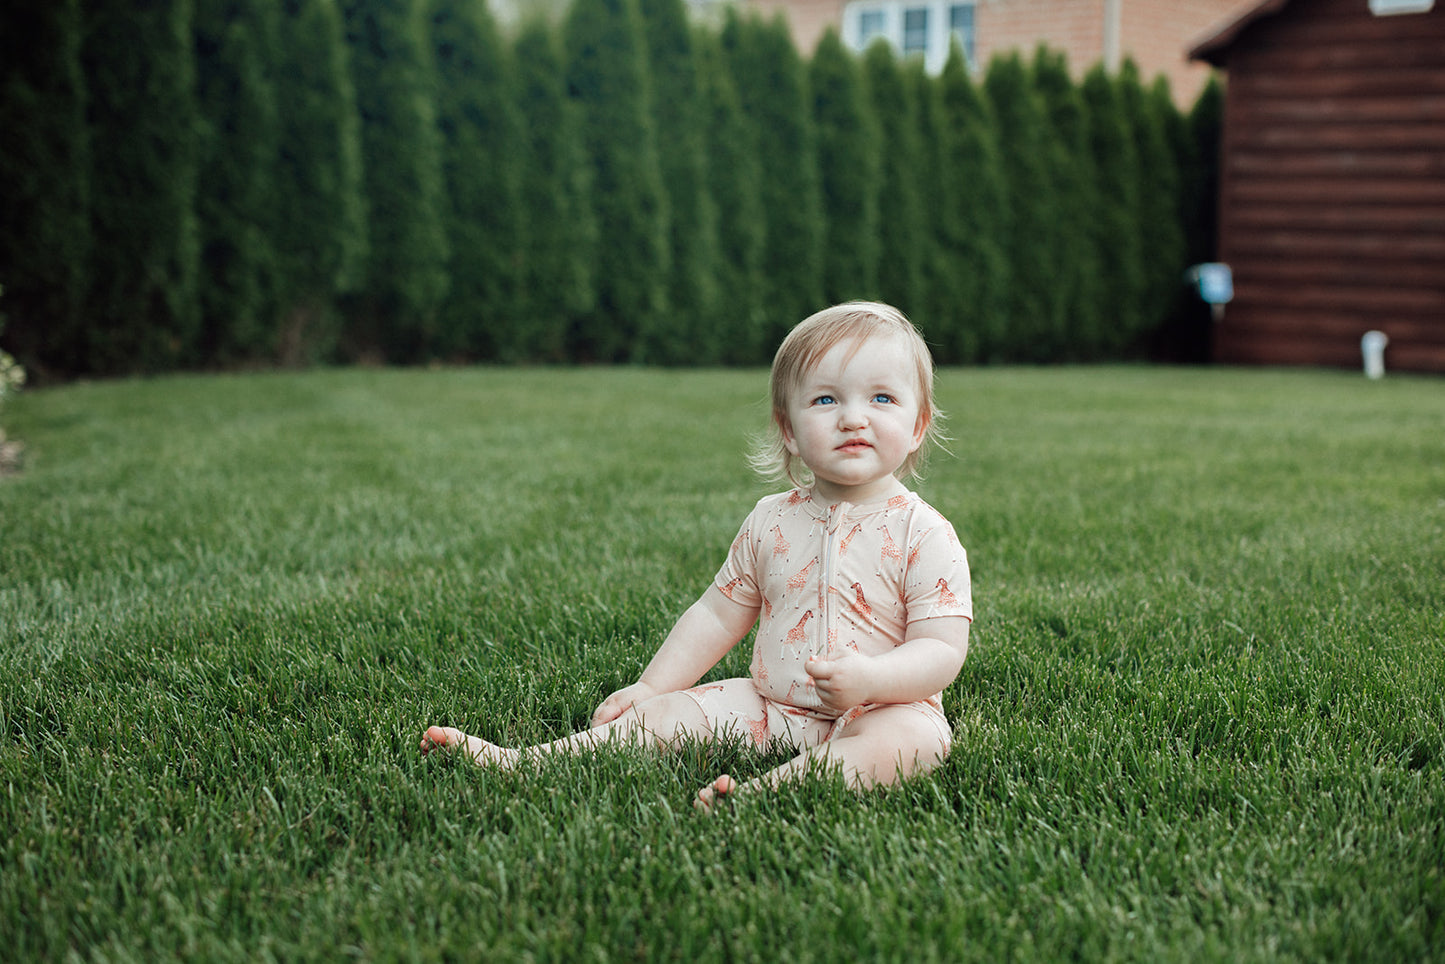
[709, 795]
[477, 749]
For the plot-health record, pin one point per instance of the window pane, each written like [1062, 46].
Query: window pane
[870, 25]
[960, 24]
[915, 30]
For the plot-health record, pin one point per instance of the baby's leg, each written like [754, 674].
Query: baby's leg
[883, 746]
[479, 750]
[660, 722]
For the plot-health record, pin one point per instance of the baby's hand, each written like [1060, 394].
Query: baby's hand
[841, 682]
[621, 701]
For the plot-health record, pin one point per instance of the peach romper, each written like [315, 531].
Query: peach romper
[826, 578]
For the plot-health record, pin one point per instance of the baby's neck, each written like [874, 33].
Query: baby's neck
[880, 491]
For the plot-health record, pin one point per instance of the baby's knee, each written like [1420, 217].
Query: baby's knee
[922, 743]
[908, 742]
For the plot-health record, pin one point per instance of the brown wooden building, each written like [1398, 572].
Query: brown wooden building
[1332, 181]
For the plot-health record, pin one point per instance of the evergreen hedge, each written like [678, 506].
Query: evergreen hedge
[735, 333]
[559, 236]
[902, 231]
[974, 197]
[608, 77]
[210, 183]
[142, 308]
[239, 150]
[396, 314]
[477, 114]
[318, 214]
[850, 164]
[45, 235]
[692, 235]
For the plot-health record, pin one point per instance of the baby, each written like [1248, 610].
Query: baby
[859, 589]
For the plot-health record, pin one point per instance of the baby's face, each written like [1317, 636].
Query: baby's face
[855, 418]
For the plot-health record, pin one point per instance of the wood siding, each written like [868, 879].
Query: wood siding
[1332, 186]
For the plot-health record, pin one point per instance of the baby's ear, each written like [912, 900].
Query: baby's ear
[785, 429]
[920, 430]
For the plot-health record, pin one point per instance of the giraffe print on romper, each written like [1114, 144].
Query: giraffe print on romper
[945, 595]
[732, 584]
[860, 603]
[799, 634]
[759, 730]
[780, 545]
[843, 546]
[890, 548]
[799, 580]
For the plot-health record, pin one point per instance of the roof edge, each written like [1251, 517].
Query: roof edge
[1213, 48]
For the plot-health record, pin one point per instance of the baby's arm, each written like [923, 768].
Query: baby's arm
[703, 635]
[929, 659]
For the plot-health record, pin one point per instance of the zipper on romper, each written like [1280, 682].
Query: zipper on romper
[837, 516]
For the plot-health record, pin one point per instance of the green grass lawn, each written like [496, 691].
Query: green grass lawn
[1202, 718]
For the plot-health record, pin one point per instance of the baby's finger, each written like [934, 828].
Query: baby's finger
[819, 668]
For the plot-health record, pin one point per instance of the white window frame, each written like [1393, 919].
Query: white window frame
[1390, 8]
[1395, 7]
[940, 29]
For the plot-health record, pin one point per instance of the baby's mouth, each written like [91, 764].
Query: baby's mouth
[854, 445]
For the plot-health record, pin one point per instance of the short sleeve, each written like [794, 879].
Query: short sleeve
[936, 581]
[738, 577]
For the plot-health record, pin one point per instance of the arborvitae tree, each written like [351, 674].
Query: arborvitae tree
[1022, 138]
[1184, 335]
[1115, 222]
[692, 288]
[850, 163]
[406, 278]
[772, 83]
[1161, 236]
[737, 334]
[1173, 246]
[607, 76]
[974, 206]
[903, 228]
[140, 70]
[1076, 321]
[1197, 146]
[240, 136]
[935, 312]
[558, 238]
[481, 159]
[44, 170]
[318, 229]
[1201, 183]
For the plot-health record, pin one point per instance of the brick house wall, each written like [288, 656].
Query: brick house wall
[808, 20]
[1156, 33]
[1166, 29]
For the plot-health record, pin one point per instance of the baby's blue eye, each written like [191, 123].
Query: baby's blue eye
[823, 400]
[883, 398]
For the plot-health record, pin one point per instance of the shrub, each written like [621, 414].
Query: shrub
[406, 277]
[480, 133]
[850, 161]
[608, 78]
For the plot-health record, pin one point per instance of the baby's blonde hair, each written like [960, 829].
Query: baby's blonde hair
[804, 348]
